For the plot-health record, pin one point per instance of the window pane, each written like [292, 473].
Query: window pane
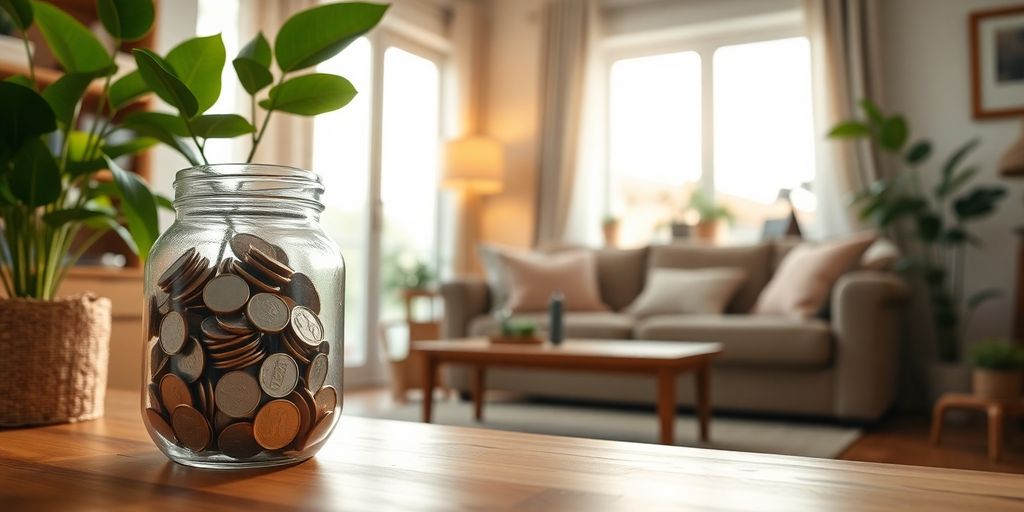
[341, 155]
[654, 139]
[764, 133]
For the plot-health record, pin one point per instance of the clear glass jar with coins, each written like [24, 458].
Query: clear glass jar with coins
[243, 357]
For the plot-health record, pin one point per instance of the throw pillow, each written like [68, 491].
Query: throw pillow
[801, 285]
[671, 291]
[532, 278]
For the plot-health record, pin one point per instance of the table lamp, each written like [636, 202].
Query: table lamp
[473, 166]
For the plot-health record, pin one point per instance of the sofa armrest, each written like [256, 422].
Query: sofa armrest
[463, 300]
[867, 316]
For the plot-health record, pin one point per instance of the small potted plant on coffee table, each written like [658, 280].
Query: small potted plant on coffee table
[997, 369]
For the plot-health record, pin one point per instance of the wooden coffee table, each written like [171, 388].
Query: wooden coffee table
[662, 360]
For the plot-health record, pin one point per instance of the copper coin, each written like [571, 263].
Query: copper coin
[325, 348]
[237, 441]
[192, 288]
[221, 420]
[253, 278]
[320, 432]
[316, 374]
[173, 333]
[157, 358]
[241, 362]
[268, 262]
[176, 268]
[237, 394]
[302, 290]
[163, 302]
[326, 400]
[190, 362]
[211, 407]
[260, 270]
[235, 324]
[224, 267]
[280, 254]
[276, 425]
[200, 394]
[174, 392]
[267, 312]
[296, 349]
[212, 331]
[226, 293]
[160, 425]
[153, 395]
[191, 428]
[244, 345]
[306, 417]
[279, 374]
[241, 243]
[306, 326]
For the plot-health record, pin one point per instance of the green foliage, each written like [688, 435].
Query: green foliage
[993, 354]
[162, 80]
[197, 63]
[20, 12]
[127, 20]
[315, 35]
[706, 208]
[72, 43]
[309, 95]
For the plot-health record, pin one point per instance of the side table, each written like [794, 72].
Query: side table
[997, 411]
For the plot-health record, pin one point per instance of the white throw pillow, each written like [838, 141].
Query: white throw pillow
[674, 291]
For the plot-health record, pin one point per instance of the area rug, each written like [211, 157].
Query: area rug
[618, 424]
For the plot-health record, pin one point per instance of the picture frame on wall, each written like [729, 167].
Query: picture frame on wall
[997, 62]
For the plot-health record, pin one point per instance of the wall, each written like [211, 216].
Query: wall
[926, 76]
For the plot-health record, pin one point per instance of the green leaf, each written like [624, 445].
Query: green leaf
[898, 208]
[309, 95]
[848, 130]
[948, 186]
[130, 147]
[164, 202]
[979, 202]
[127, 20]
[21, 80]
[20, 12]
[257, 50]
[126, 89]
[315, 35]
[919, 152]
[26, 115]
[894, 133]
[58, 218]
[252, 75]
[78, 141]
[954, 236]
[871, 110]
[162, 127]
[139, 208]
[162, 80]
[954, 160]
[64, 95]
[929, 226]
[112, 224]
[169, 122]
[982, 296]
[36, 178]
[74, 46]
[199, 63]
[221, 126]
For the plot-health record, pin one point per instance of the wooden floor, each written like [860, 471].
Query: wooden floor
[896, 440]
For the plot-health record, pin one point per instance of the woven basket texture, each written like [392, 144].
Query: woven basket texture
[53, 359]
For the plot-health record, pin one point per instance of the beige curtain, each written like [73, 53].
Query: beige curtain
[846, 68]
[565, 50]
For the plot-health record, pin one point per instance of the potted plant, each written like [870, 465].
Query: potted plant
[60, 188]
[610, 230]
[709, 215]
[997, 369]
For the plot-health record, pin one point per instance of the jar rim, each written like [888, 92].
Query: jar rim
[254, 181]
[247, 170]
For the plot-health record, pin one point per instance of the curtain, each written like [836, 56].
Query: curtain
[565, 47]
[845, 68]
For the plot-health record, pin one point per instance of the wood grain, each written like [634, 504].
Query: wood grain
[379, 465]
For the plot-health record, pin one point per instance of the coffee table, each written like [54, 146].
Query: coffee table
[660, 359]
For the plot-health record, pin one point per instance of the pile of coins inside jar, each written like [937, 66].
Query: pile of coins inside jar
[238, 356]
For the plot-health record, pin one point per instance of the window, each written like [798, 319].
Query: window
[732, 119]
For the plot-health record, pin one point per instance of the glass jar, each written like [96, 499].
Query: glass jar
[244, 327]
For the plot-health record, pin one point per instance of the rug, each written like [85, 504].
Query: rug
[800, 438]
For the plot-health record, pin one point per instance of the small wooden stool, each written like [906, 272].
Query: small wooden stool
[997, 411]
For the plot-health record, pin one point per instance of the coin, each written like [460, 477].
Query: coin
[276, 425]
[157, 357]
[302, 290]
[268, 262]
[160, 425]
[326, 400]
[221, 420]
[212, 331]
[153, 395]
[252, 277]
[173, 332]
[189, 363]
[280, 254]
[306, 417]
[307, 327]
[241, 243]
[319, 432]
[191, 428]
[174, 392]
[325, 347]
[191, 289]
[316, 373]
[176, 268]
[267, 312]
[163, 301]
[235, 324]
[237, 394]
[225, 265]
[226, 293]
[279, 374]
[237, 441]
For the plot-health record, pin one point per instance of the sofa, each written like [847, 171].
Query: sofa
[841, 364]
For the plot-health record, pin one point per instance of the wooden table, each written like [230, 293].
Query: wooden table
[663, 360]
[380, 465]
[996, 410]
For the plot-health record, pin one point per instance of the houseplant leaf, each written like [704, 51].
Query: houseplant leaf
[893, 134]
[251, 74]
[21, 80]
[64, 95]
[20, 12]
[130, 147]
[929, 226]
[198, 63]
[126, 89]
[849, 129]
[315, 35]
[919, 152]
[78, 142]
[162, 80]
[169, 122]
[34, 115]
[979, 202]
[58, 218]
[159, 128]
[951, 185]
[954, 160]
[35, 179]
[980, 297]
[309, 95]
[138, 206]
[257, 50]
[127, 20]
[221, 126]
[74, 46]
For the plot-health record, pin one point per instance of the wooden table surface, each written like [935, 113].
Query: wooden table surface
[379, 465]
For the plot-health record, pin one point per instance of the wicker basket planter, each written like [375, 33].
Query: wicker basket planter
[53, 359]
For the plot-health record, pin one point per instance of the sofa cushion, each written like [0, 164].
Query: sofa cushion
[754, 260]
[748, 340]
[620, 275]
[533, 279]
[677, 291]
[611, 326]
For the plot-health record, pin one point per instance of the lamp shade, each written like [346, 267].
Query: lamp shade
[1011, 164]
[475, 163]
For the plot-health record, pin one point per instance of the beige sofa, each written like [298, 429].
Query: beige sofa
[841, 365]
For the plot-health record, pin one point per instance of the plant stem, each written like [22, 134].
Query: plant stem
[259, 136]
[195, 140]
[28, 52]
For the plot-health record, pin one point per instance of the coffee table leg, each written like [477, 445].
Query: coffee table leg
[704, 401]
[479, 374]
[667, 405]
[429, 376]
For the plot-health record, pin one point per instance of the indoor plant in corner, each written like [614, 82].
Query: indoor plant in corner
[244, 292]
[709, 215]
